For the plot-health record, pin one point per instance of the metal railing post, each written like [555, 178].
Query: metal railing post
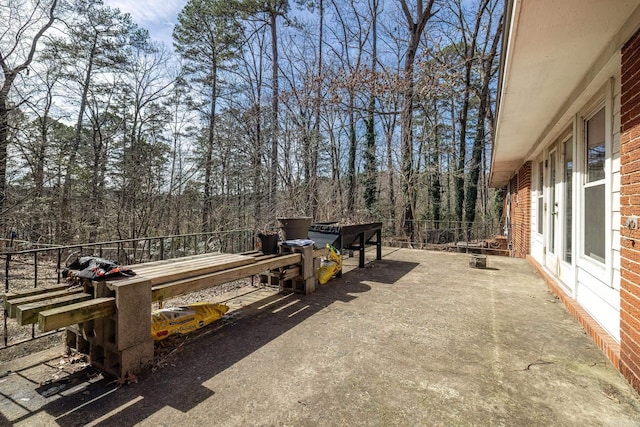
[6, 272]
[35, 269]
[58, 266]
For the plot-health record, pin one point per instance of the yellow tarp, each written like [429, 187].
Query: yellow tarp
[331, 266]
[182, 320]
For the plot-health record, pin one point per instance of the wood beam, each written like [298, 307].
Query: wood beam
[56, 318]
[27, 314]
[11, 304]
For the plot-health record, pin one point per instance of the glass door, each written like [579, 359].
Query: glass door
[553, 210]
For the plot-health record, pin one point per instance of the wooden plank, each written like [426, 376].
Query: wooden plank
[56, 318]
[33, 291]
[254, 252]
[11, 305]
[317, 253]
[175, 260]
[170, 260]
[191, 265]
[186, 260]
[186, 271]
[262, 257]
[28, 313]
[290, 273]
[171, 289]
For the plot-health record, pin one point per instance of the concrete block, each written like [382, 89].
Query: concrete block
[134, 359]
[133, 316]
[307, 262]
[478, 261]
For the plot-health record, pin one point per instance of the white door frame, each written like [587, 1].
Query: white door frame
[553, 229]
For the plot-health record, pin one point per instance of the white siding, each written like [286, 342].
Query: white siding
[615, 189]
[602, 302]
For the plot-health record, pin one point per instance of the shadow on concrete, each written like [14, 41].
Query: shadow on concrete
[80, 399]
[389, 271]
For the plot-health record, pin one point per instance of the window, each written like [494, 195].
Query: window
[540, 206]
[568, 189]
[594, 195]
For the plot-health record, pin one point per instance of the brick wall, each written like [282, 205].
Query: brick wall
[520, 191]
[630, 205]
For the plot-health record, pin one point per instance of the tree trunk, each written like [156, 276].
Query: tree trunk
[470, 54]
[273, 173]
[406, 116]
[351, 162]
[315, 140]
[370, 196]
[10, 75]
[436, 188]
[406, 120]
[65, 203]
[479, 140]
[208, 165]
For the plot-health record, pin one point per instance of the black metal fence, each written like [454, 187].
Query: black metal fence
[441, 235]
[26, 268]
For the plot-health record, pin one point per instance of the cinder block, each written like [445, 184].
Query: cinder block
[309, 285]
[135, 358]
[307, 262]
[133, 321]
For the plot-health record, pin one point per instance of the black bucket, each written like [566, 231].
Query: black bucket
[268, 243]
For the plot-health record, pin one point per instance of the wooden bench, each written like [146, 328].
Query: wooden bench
[111, 319]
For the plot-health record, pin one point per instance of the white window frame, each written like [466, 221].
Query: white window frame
[604, 99]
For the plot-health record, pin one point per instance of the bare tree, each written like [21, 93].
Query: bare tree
[27, 22]
[415, 26]
[206, 36]
[93, 44]
[487, 66]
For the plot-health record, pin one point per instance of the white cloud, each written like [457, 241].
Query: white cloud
[157, 16]
[149, 11]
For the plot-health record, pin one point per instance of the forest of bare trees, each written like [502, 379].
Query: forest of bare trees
[349, 110]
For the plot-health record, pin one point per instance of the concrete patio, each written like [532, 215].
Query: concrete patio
[419, 338]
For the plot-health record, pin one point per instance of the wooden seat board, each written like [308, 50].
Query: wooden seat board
[28, 313]
[11, 305]
[186, 271]
[175, 260]
[187, 264]
[56, 318]
[34, 291]
[182, 286]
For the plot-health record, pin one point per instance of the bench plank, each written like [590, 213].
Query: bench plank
[180, 270]
[33, 291]
[56, 318]
[171, 289]
[194, 259]
[172, 260]
[27, 314]
[11, 304]
[202, 265]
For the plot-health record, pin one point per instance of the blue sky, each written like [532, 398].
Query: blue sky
[157, 16]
